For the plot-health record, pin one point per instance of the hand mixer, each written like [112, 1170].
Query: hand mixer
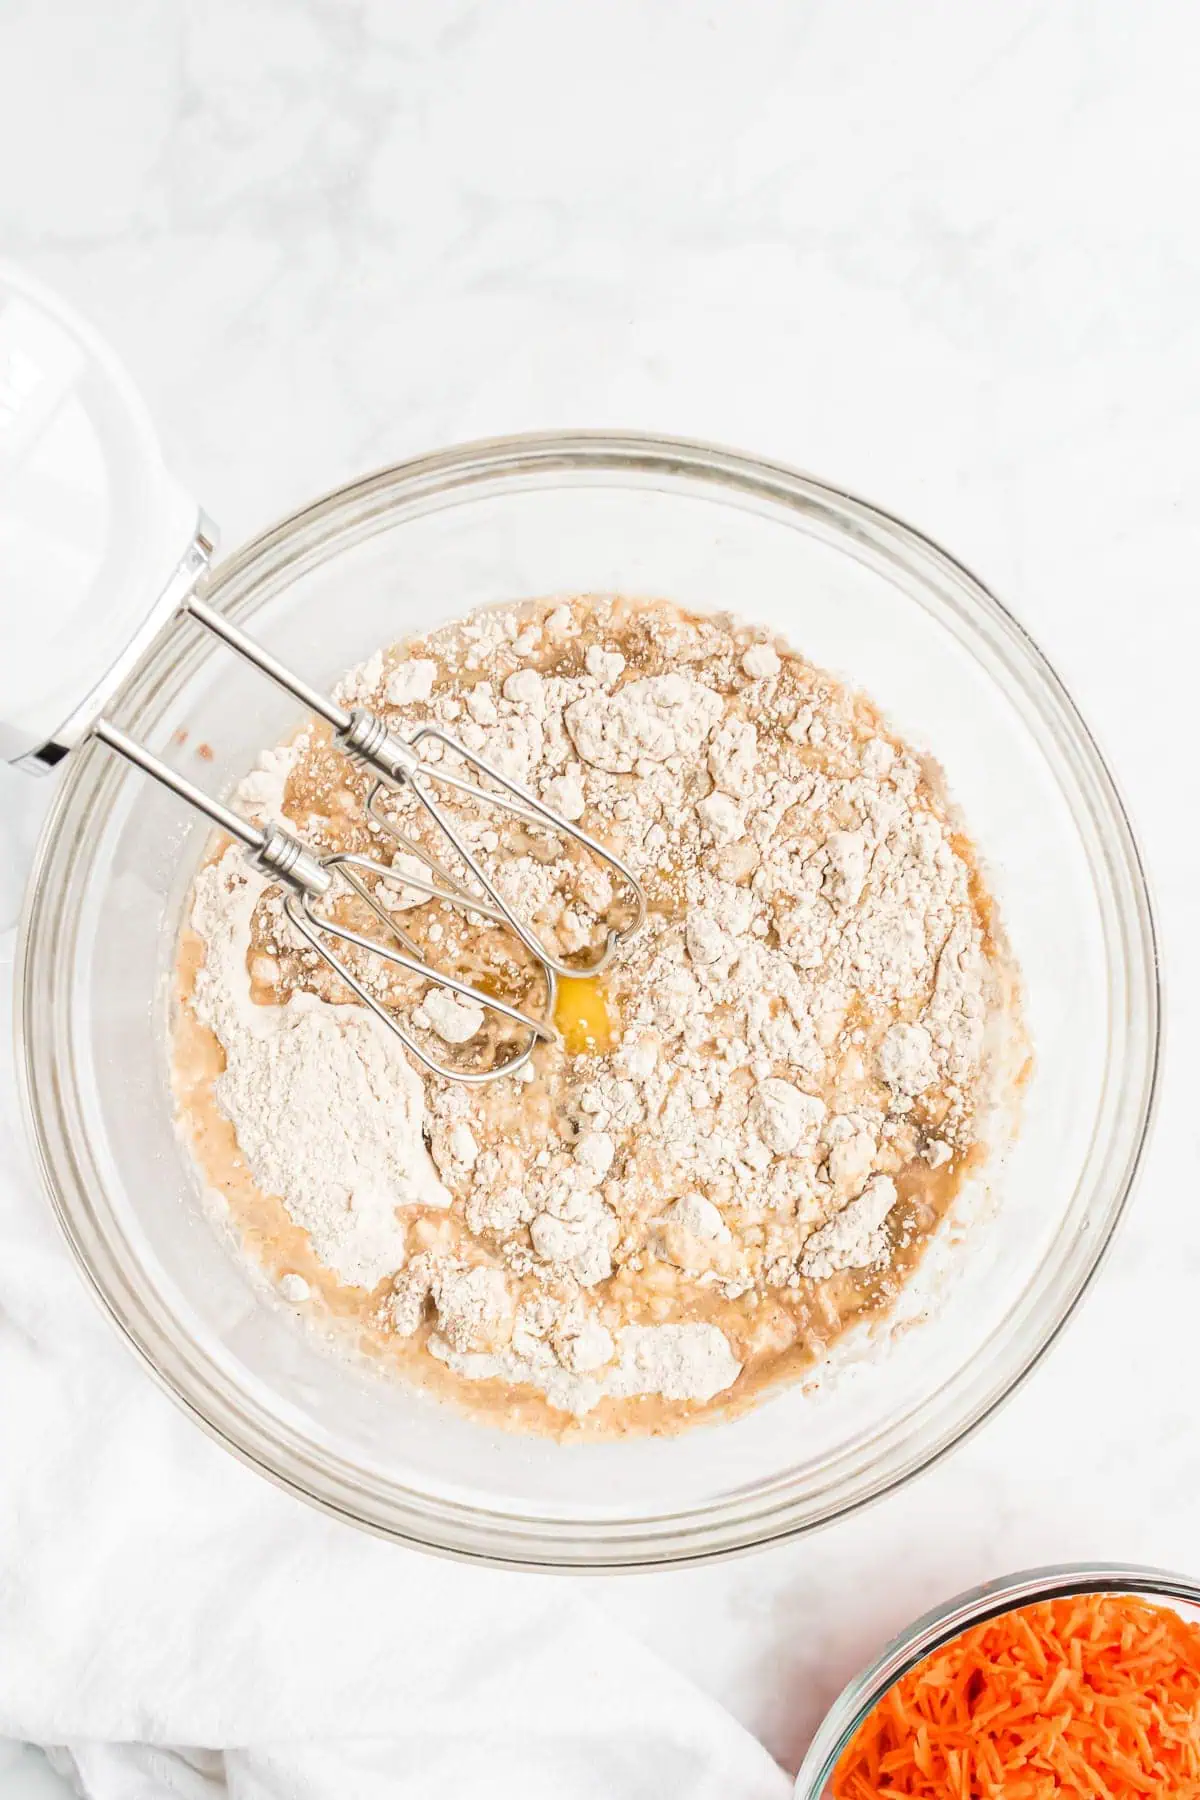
[100, 551]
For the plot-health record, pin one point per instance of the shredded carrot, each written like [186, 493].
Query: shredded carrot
[1094, 1698]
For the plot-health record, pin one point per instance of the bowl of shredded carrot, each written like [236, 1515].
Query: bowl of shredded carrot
[1080, 1681]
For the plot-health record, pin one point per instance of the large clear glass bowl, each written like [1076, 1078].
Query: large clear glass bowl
[859, 593]
[1056, 1582]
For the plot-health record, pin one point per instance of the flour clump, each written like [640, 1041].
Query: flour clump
[650, 720]
[327, 1110]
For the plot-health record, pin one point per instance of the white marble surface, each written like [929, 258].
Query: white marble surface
[943, 254]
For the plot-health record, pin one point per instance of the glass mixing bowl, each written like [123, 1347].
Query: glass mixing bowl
[859, 593]
[1060, 1581]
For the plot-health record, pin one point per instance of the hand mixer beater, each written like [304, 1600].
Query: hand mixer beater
[92, 620]
[311, 882]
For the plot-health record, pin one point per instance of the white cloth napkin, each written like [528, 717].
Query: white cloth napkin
[155, 1594]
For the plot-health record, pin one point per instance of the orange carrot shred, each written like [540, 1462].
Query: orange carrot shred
[1092, 1698]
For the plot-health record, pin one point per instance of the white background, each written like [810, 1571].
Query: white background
[946, 255]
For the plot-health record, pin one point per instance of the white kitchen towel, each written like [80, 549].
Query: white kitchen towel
[153, 1592]
[465, 1751]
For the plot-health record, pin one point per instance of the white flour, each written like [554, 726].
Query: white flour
[327, 1111]
[853, 1238]
[677, 1362]
[645, 721]
[802, 1029]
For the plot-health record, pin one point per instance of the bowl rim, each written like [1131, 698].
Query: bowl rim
[691, 1537]
[947, 1621]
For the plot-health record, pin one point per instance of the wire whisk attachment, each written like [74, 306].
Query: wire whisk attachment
[319, 887]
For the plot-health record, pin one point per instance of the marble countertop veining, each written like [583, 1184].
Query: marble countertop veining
[943, 255]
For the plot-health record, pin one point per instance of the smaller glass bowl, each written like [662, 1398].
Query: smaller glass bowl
[928, 1633]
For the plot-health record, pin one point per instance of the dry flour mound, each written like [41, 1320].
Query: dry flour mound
[645, 721]
[328, 1112]
[806, 1032]
[690, 1362]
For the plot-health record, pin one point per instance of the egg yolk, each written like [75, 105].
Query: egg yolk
[582, 1017]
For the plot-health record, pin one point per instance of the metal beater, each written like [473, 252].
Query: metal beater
[100, 550]
[310, 879]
